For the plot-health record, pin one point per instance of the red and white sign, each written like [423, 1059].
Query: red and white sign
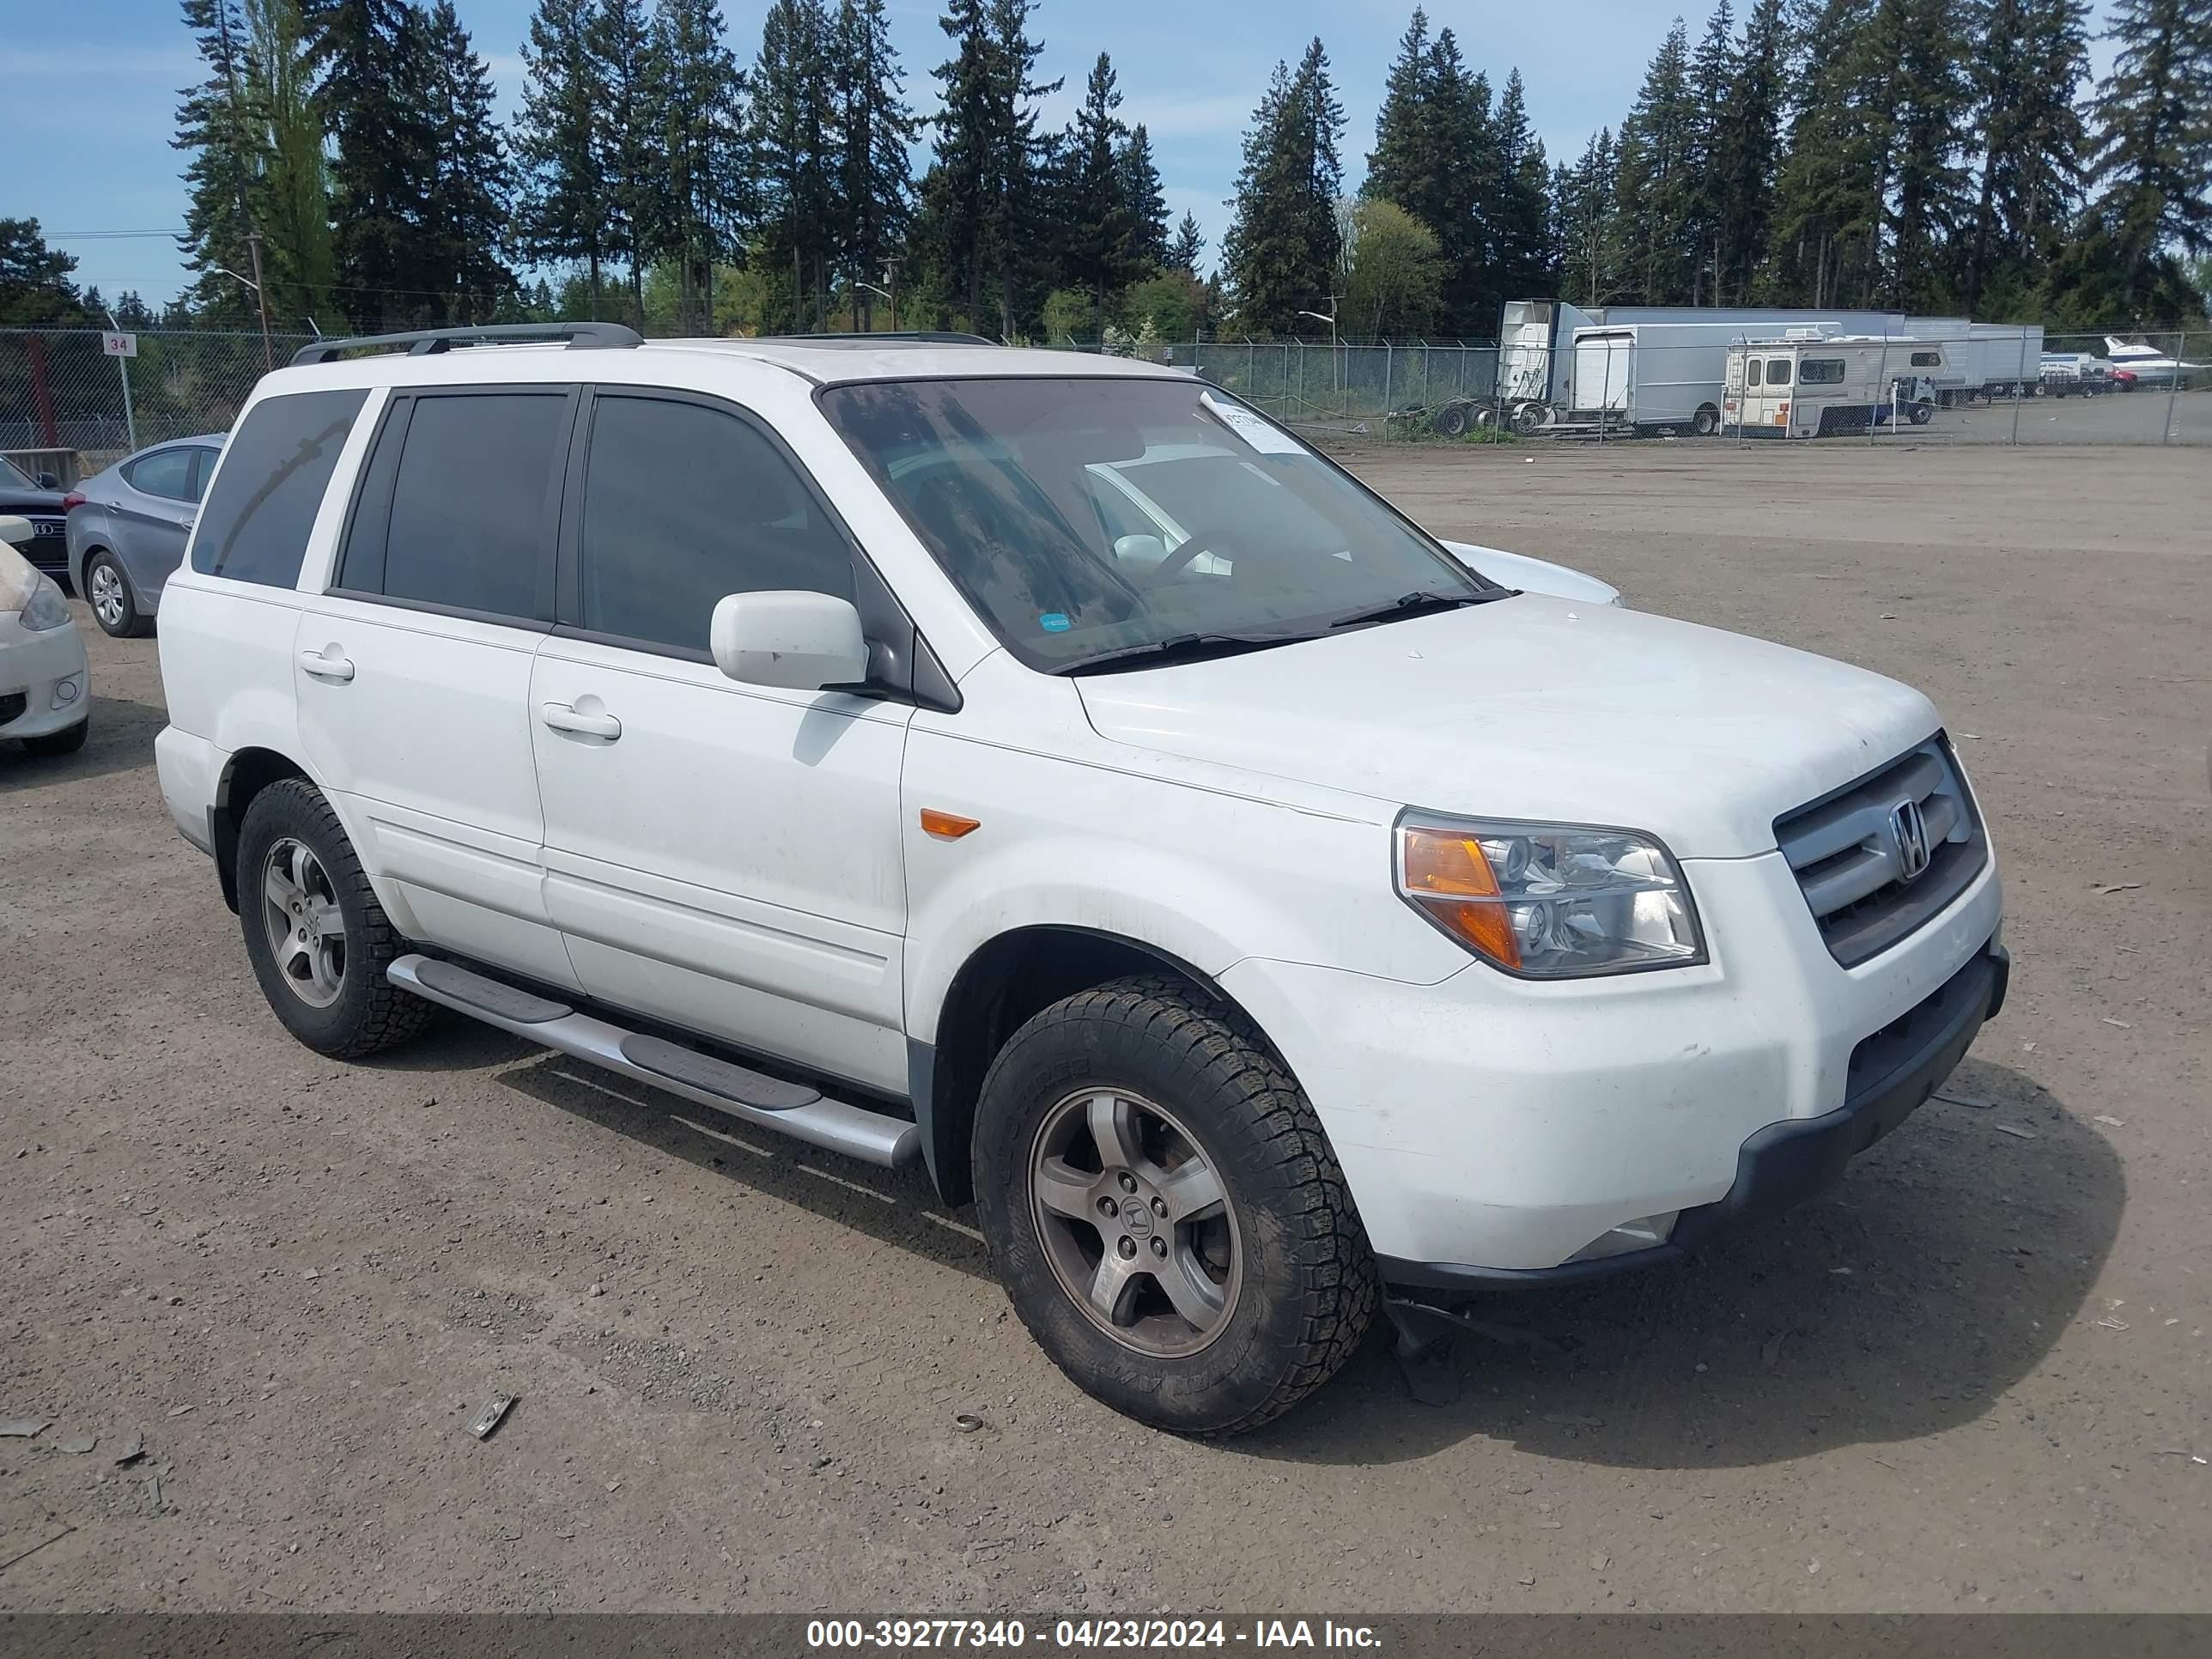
[119, 345]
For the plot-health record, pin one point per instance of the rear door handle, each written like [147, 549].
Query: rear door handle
[561, 718]
[327, 668]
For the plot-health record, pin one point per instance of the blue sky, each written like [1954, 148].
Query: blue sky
[97, 158]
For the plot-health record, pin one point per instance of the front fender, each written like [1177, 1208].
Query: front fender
[1202, 875]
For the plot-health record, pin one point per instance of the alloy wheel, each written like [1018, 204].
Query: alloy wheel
[307, 930]
[1135, 1222]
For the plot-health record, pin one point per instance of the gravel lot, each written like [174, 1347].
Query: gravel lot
[1974, 1376]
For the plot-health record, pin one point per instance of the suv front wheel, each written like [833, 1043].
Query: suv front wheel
[1164, 1210]
[316, 937]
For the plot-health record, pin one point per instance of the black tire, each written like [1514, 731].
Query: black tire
[67, 741]
[133, 624]
[1304, 1281]
[1706, 420]
[370, 1012]
[1451, 421]
[1922, 413]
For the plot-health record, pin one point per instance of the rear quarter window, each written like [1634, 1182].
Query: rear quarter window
[1821, 371]
[255, 525]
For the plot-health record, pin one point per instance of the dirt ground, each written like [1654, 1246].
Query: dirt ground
[1974, 1376]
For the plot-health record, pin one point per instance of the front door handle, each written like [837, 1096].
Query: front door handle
[324, 667]
[561, 718]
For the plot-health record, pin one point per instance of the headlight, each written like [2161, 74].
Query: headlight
[47, 608]
[1550, 900]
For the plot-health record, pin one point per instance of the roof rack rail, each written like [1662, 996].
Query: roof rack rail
[884, 336]
[425, 342]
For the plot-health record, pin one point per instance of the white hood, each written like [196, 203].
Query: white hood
[1534, 707]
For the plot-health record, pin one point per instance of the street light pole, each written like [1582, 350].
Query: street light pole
[261, 295]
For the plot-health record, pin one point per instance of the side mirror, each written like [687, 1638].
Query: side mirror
[16, 530]
[799, 641]
[1145, 550]
[48, 481]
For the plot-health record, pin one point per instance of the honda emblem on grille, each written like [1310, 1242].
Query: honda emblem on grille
[1909, 831]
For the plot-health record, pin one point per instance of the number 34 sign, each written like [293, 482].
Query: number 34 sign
[119, 345]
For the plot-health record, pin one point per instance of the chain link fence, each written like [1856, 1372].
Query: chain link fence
[70, 407]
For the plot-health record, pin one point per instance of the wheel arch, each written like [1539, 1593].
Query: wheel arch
[246, 774]
[1004, 981]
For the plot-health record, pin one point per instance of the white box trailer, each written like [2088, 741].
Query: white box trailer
[1566, 367]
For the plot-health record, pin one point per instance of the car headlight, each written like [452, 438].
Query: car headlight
[1550, 900]
[47, 608]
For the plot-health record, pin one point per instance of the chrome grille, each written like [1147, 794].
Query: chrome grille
[1879, 857]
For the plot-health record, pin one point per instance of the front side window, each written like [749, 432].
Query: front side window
[1777, 371]
[166, 473]
[1088, 518]
[255, 526]
[1820, 371]
[468, 527]
[683, 505]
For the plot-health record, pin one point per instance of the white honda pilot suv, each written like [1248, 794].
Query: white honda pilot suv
[1048, 769]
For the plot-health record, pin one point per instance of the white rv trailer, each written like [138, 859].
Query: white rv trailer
[1809, 388]
[1568, 369]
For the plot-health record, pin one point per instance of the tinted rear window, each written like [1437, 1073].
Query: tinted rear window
[468, 524]
[255, 525]
[166, 473]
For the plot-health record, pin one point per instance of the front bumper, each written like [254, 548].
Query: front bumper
[1499, 1131]
[44, 684]
[1783, 1163]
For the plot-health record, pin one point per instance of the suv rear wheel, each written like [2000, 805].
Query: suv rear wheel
[316, 937]
[1164, 1210]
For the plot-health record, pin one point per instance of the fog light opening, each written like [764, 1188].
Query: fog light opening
[1644, 1233]
[66, 691]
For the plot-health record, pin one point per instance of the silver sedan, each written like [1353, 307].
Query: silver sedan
[128, 527]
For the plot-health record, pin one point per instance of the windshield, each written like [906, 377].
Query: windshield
[14, 476]
[1088, 518]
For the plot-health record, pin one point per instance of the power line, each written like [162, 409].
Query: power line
[103, 235]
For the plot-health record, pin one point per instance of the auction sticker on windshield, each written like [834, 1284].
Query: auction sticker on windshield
[1263, 436]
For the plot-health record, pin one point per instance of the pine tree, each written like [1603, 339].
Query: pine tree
[222, 123]
[1184, 251]
[564, 212]
[374, 101]
[1747, 147]
[1147, 208]
[2153, 158]
[1096, 228]
[1829, 197]
[1926, 93]
[1589, 227]
[1282, 250]
[1516, 227]
[874, 127]
[1715, 72]
[627, 156]
[2030, 60]
[982, 198]
[698, 100]
[465, 214]
[293, 206]
[1403, 165]
[1656, 182]
[1437, 156]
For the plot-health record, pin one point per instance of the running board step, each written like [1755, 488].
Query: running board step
[770, 1102]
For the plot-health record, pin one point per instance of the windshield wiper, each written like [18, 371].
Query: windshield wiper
[1182, 648]
[1416, 603]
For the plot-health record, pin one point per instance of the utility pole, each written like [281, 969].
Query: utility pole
[261, 296]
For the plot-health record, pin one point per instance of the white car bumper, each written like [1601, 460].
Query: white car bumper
[191, 770]
[1496, 1130]
[46, 668]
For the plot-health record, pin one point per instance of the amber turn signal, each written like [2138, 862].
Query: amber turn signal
[947, 826]
[1447, 875]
